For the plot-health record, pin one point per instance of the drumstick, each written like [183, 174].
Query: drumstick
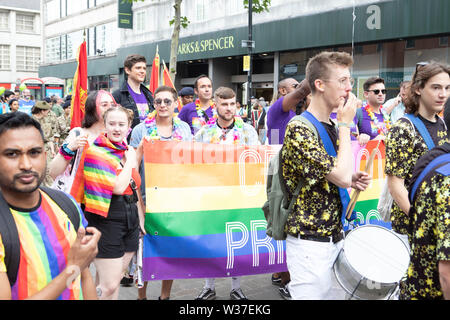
[355, 194]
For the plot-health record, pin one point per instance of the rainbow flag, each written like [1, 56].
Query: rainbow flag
[203, 209]
[366, 207]
[203, 214]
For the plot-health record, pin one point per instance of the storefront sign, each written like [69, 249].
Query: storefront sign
[125, 17]
[207, 45]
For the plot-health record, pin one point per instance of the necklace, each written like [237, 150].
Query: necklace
[202, 116]
[217, 134]
[152, 129]
[386, 120]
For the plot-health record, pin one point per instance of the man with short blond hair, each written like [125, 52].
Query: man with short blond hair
[314, 228]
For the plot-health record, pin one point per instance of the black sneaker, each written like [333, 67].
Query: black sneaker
[206, 294]
[276, 281]
[237, 294]
[127, 282]
[284, 292]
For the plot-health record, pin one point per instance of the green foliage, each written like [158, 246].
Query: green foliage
[259, 6]
[184, 22]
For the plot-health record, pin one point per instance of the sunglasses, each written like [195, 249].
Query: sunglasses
[421, 64]
[377, 91]
[167, 102]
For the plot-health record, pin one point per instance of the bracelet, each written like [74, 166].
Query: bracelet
[343, 124]
[67, 150]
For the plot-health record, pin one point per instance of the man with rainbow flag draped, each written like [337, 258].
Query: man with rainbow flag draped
[161, 124]
[225, 128]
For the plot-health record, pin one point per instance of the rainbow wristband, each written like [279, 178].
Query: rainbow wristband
[66, 152]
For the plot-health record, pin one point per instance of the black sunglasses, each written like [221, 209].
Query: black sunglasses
[167, 102]
[377, 91]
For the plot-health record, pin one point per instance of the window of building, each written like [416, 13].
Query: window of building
[53, 49]
[140, 20]
[24, 22]
[200, 8]
[4, 57]
[53, 10]
[73, 41]
[4, 21]
[106, 38]
[27, 58]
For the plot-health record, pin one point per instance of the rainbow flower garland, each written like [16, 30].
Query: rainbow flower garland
[200, 121]
[386, 119]
[218, 134]
[152, 129]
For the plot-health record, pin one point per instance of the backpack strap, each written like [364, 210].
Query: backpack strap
[65, 203]
[329, 147]
[422, 129]
[10, 239]
[443, 161]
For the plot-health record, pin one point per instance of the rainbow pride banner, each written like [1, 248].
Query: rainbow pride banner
[203, 209]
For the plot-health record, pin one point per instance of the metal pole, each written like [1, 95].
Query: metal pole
[250, 69]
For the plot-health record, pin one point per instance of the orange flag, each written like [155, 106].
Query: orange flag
[167, 81]
[154, 79]
[79, 92]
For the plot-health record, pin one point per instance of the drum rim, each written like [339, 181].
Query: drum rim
[381, 227]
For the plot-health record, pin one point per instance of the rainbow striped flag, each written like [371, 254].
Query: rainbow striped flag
[203, 209]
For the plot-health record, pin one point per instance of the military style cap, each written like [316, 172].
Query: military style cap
[43, 105]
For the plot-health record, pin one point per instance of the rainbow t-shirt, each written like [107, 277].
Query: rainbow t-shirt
[46, 235]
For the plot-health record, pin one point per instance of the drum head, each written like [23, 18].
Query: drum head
[377, 253]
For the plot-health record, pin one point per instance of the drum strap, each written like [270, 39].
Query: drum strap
[323, 134]
[443, 162]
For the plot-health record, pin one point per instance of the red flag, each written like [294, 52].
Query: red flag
[154, 79]
[79, 92]
[167, 81]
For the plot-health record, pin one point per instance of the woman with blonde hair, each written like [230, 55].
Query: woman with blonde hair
[112, 200]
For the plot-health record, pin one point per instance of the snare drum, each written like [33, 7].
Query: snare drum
[371, 263]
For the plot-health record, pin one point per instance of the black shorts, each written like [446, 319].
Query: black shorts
[120, 230]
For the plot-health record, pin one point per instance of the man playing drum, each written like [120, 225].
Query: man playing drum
[314, 228]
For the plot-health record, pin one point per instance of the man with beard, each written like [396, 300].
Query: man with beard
[226, 129]
[54, 257]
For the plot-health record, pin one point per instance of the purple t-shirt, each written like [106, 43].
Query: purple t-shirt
[368, 126]
[141, 103]
[277, 121]
[353, 131]
[189, 115]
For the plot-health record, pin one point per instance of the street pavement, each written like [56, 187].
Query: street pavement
[255, 287]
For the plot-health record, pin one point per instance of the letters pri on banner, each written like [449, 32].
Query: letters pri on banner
[203, 209]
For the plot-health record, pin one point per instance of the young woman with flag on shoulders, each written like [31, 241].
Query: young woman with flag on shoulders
[113, 203]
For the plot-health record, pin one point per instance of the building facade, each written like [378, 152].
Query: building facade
[386, 38]
[20, 41]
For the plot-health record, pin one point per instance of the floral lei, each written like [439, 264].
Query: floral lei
[152, 129]
[201, 113]
[217, 134]
[386, 119]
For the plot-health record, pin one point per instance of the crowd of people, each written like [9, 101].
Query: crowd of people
[45, 252]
